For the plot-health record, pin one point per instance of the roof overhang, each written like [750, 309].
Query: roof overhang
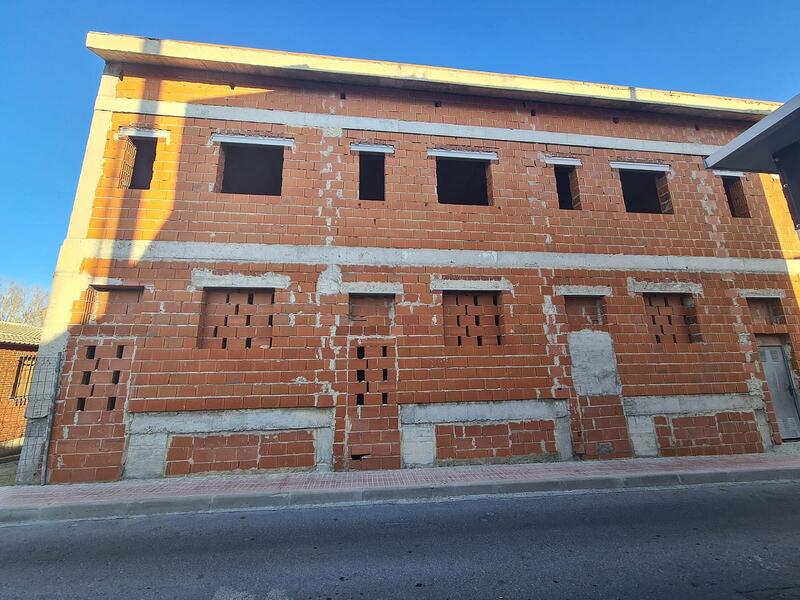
[753, 150]
[115, 48]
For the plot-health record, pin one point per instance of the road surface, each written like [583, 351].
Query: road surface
[734, 542]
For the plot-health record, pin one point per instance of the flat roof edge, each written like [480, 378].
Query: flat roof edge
[212, 57]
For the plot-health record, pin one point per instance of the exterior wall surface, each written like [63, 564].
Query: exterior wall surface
[355, 362]
[12, 412]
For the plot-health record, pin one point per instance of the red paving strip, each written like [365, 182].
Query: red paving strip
[269, 484]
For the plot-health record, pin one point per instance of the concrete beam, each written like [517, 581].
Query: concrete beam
[562, 161]
[664, 287]
[471, 285]
[328, 121]
[463, 154]
[635, 166]
[254, 140]
[202, 278]
[278, 254]
[372, 148]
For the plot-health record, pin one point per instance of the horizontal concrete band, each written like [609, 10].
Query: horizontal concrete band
[372, 287]
[202, 278]
[471, 285]
[582, 290]
[372, 148]
[142, 132]
[462, 154]
[252, 140]
[210, 252]
[762, 293]
[217, 421]
[473, 412]
[634, 166]
[327, 121]
[562, 161]
[690, 404]
[668, 287]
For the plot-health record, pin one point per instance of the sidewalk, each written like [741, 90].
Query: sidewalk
[226, 492]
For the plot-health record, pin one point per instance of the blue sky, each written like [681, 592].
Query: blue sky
[732, 47]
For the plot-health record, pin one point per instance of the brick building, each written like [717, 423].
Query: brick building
[282, 261]
[18, 345]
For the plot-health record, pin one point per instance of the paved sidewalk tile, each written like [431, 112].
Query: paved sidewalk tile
[197, 493]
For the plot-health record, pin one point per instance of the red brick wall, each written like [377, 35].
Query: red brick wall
[88, 441]
[723, 433]
[12, 413]
[181, 207]
[240, 451]
[496, 441]
[311, 359]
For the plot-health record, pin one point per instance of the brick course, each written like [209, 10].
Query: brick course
[496, 443]
[723, 433]
[202, 454]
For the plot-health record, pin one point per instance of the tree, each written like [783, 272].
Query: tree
[22, 304]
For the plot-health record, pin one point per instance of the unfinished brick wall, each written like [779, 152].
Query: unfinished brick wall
[237, 319]
[88, 445]
[520, 174]
[723, 433]
[370, 429]
[242, 451]
[316, 345]
[500, 442]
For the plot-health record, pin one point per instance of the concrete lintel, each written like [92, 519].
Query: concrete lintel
[689, 404]
[471, 285]
[199, 422]
[562, 161]
[372, 148]
[764, 293]
[476, 412]
[143, 132]
[463, 154]
[582, 290]
[636, 166]
[328, 121]
[372, 287]
[202, 278]
[664, 287]
[720, 173]
[254, 140]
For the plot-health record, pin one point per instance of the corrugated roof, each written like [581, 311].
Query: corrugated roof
[18, 333]
[233, 59]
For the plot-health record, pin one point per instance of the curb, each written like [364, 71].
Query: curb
[225, 502]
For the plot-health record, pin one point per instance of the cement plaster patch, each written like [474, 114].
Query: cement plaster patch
[594, 363]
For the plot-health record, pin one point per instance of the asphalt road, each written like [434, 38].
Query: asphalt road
[733, 542]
